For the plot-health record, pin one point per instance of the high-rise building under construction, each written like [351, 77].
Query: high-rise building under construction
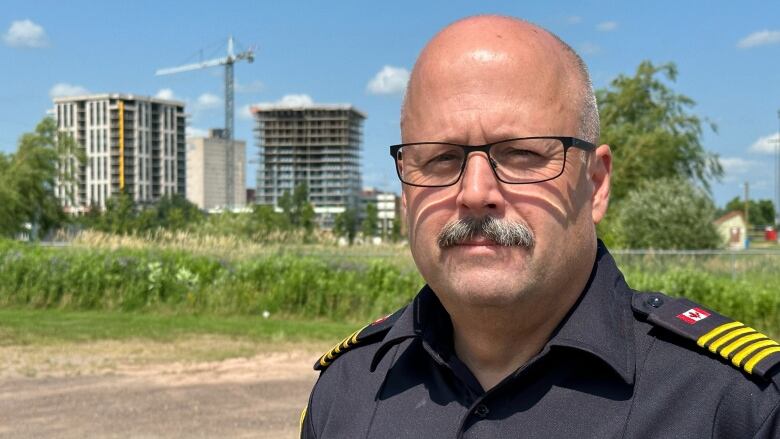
[131, 143]
[319, 145]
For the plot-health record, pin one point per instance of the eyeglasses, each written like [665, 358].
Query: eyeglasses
[522, 160]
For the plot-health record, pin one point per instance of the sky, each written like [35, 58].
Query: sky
[360, 53]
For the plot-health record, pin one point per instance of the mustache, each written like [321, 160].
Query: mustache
[503, 232]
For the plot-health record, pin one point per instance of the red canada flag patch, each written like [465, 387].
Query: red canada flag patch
[693, 315]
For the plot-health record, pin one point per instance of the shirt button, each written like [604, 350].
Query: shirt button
[481, 410]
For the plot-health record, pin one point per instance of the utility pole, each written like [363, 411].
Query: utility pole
[777, 172]
[747, 202]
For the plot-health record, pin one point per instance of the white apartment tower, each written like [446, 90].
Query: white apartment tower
[131, 143]
[207, 161]
[318, 144]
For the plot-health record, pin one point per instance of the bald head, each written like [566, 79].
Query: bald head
[512, 55]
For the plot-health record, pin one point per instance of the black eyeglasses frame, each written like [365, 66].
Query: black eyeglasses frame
[568, 142]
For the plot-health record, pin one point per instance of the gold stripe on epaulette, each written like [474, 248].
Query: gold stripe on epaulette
[718, 330]
[726, 352]
[341, 346]
[737, 360]
[760, 356]
[303, 418]
[723, 339]
[734, 338]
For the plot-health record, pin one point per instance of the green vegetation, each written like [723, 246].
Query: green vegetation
[145, 280]
[40, 327]
[653, 135]
[323, 283]
[666, 213]
[27, 180]
[652, 132]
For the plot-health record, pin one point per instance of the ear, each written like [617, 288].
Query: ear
[600, 169]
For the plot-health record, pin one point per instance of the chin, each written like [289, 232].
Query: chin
[483, 288]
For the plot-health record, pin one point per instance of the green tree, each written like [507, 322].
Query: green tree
[120, 215]
[265, 220]
[652, 132]
[667, 213]
[370, 223]
[760, 212]
[395, 230]
[175, 212]
[28, 178]
[296, 208]
[346, 225]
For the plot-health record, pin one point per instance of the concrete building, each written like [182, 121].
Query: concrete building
[317, 144]
[388, 207]
[131, 143]
[207, 162]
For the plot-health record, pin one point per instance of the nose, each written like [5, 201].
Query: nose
[479, 192]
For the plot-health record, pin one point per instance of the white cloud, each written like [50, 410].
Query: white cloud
[573, 19]
[25, 33]
[765, 145]
[196, 132]
[245, 112]
[736, 165]
[588, 48]
[207, 101]
[295, 100]
[606, 26]
[760, 38]
[389, 80]
[63, 89]
[255, 86]
[165, 93]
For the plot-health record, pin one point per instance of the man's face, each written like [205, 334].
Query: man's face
[477, 93]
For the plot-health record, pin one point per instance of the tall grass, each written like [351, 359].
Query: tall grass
[186, 274]
[138, 279]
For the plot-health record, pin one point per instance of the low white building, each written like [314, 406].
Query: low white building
[732, 228]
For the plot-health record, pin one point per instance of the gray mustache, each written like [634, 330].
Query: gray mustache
[502, 232]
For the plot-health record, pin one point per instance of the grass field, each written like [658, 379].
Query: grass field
[51, 326]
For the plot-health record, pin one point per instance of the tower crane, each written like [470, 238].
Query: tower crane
[227, 134]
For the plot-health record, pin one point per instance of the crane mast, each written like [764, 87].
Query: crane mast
[228, 131]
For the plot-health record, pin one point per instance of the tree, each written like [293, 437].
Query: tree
[667, 213]
[370, 223]
[760, 212]
[651, 131]
[28, 178]
[346, 225]
[297, 210]
[395, 230]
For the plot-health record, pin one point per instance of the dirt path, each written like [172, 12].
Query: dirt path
[143, 390]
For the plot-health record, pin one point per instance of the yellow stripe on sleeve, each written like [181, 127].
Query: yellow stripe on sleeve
[717, 331]
[760, 356]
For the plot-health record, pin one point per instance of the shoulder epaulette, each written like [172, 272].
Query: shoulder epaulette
[746, 348]
[369, 332]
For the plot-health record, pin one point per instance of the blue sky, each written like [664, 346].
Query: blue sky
[727, 53]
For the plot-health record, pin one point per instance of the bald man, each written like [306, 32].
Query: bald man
[526, 328]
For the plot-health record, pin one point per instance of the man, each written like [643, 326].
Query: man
[526, 328]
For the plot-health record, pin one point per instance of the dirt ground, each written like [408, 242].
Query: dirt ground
[197, 388]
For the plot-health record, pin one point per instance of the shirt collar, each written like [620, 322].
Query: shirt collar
[599, 323]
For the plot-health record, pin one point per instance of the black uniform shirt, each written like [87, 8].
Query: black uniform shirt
[605, 373]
